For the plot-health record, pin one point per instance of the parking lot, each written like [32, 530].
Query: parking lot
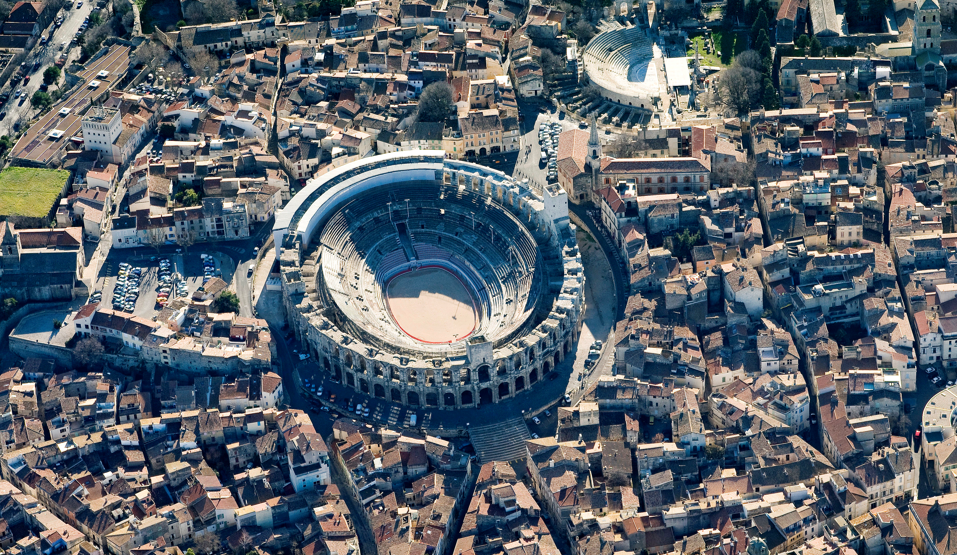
[188, 265]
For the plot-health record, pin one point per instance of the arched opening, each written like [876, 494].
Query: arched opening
[350, 379]
[378, 370]
[362, 365]
[568, 346]
[546, 367]
[363, 385]
[517, 364]
[450, 399]
[519, 384]
[378, 391]
[431, 399]
[413, 399]
[557, 358]
[467, 397]
[503, 390]
[533, 376]
[395, 374]
[396, 395]
[483, 373]
[483, 151]
[336, 374]
[531, 354]
[446, 377]
[349, 360]
[325, 363]
[485, 396]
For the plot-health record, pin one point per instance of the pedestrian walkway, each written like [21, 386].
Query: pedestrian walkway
[500, 441]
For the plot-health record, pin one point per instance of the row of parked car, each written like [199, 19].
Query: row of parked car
[166, 284]
[548, 139]
[127, 288]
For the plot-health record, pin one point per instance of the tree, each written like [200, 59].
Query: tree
[151, 54]
[5, 144]
[204, 63]
[769, 98]
[220, 11]
[714, 452]
[194, 13]
[190, 551]
[739, 87]
[227, 302]
[852, 13]
[187, 238]
[173, 70]
[435, 103]
[802, 42]
[51, 75]
[7, 307]
[591, 93]
[627, 145]
[760, 24]
[815, 47]
[682, 244]
[156, 237]
[208, 543]
[167, 130]
[41, 100]
[584, 31]
[740, 174]
[88, 351]
[763, 48]
[551, 64]
[188, 197]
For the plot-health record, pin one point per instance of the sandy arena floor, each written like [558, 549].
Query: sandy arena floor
[431, 305]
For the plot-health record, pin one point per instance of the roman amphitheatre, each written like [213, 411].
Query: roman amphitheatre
[431, 282]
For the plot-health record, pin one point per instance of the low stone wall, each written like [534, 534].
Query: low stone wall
[860, 41]
[26, 349]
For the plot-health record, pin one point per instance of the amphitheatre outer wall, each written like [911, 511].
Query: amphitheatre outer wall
[468, 373]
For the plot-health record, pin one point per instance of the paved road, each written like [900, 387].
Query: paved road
[242, 280]
[19, 109]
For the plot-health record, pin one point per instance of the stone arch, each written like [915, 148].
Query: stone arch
[483, 373]
[431, 399]
[546, 367]
[364, 385]
[336, 374]
[362, 364]
[413, 398]
[325, 363]
[377, 370]
[485, 396]
[557, 358]
[394, 372]
[378, 390]
[531, 354]
[446, 377]
[449, 400]
[467, 397]
[350, 379]
[568, 345]
[503, 390]
[396, 395]
[533, 375]
[349, 360]
[517, 363]
[519, 384]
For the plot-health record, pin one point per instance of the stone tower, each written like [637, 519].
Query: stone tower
[10, 247]
[594, 144]
[926, 28]
[925, 47]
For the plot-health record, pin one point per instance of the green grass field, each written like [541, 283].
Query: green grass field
[729, 44]
[30, 192]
